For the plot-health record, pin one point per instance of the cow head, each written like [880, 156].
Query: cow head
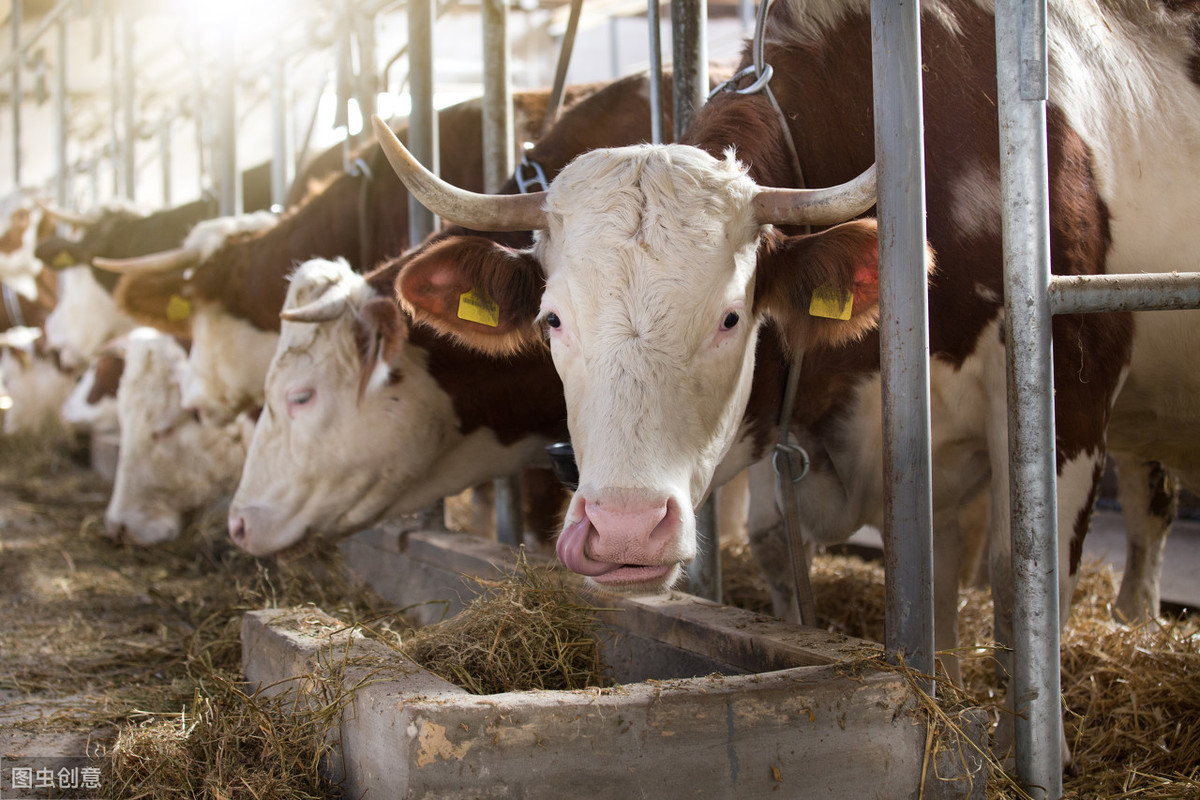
[229, 356]
[655, 273]
[92, 404]
[170, 463]
[22, 225]
[33, 380]
[354, 426]
[85, 317]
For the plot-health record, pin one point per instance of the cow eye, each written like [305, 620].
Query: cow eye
[730, 321]
[553, 321]
[299, 397]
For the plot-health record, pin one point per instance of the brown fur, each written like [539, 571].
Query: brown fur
[146, 297]
[108, 370]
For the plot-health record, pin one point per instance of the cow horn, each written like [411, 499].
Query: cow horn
[481, 212]
[165, 261]
[817, 206]
[328, 306]
[75, 218]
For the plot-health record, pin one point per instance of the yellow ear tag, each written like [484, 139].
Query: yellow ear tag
[62, 261]
[477, 308]
[830, 303]
[178, 309]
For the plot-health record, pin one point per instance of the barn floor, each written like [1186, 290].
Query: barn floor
[96, 636]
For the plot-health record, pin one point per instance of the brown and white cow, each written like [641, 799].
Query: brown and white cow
[648, 258]
[441, 417]
[92, 404]
[170, 463]
[32, 380]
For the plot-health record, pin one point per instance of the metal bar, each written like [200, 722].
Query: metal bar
[60, 115]
[654, 26]
[904, 334]
[689, 19]
[422, 121]
[114, 132]
[510, 520]
[128, 102]
[229, 188]
[498, 137]
[1022, 91]
[19, 48]
[164, 158]
[368, 75]
[280, 160]
[1079, 294]
[564, 61]
[704, 571]
[15, 22]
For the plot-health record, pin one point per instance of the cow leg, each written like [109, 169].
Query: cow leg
[947, 552]
[973, 521]
[1148, 505]
[732, 508]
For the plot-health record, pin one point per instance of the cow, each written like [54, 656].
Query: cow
[24, 224]
[490, 416]
[169, 463]
[235, 293]
[656, 264]
[33, 380]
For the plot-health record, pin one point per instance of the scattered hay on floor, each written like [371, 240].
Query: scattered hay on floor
[522, 631]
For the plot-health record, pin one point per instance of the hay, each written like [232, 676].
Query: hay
[521, 632]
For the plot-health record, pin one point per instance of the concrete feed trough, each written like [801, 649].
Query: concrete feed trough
[713, 702]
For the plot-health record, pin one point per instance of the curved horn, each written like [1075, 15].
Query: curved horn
[165, 261]
[481, 212]
[328, 306]
[75, 218]
[817, 206]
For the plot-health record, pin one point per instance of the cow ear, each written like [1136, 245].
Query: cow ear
[58, 253]
[821, 288]
[380, 332]
[481, 293]
[157, 300]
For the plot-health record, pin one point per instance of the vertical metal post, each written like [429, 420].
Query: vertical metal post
[128, 102]
[704, 571]
[497, 97]
[654, 27]
[904, 334]
[61, 107]
[18, 58]
[510, 519]
[689, 20]
[164, 158]
[422, 121]
[368, 75]
[1022, 78]
[229, 188]
[281, 161]
[114, 138]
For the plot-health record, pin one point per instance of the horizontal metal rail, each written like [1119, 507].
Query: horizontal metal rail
[38, 32]
[1151, 291]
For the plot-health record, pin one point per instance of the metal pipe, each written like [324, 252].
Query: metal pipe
[128, 102]
[510, 520]
[422, 120]
[1078, 294]
[564, 61]
[280, 159]
[1022, 78]
[164, 158]
[689, 21]
[19, 48]
[904, 334]
[704, 571]
[654, 26]
[114, 132]
[498, 137]
[61, 102]
[229, 188]
[15, 96]
[368, 76]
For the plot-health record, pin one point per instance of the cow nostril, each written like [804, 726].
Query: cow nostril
[237, 529]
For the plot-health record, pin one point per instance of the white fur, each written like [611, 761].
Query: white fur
[336, 464]
[227, 364]
[19, 269]
[77, 412]
[208, 236]
[85, 317]
[169, 463]
[37, 387]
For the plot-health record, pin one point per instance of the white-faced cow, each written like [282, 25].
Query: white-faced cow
[92, 404]
[32, 378]
[440, 416]
[170, 463]
[648, 257]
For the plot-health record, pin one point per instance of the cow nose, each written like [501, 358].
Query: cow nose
[629, 528]
[114, 528]
[237, 529]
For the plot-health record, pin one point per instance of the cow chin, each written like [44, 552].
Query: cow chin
[254, 529]
[639, 581]
[143, 529]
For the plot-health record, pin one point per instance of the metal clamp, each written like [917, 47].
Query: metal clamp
[730, 85]
[790, 451]
[537, 181]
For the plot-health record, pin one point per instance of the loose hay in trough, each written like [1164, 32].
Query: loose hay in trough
[522, 631]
